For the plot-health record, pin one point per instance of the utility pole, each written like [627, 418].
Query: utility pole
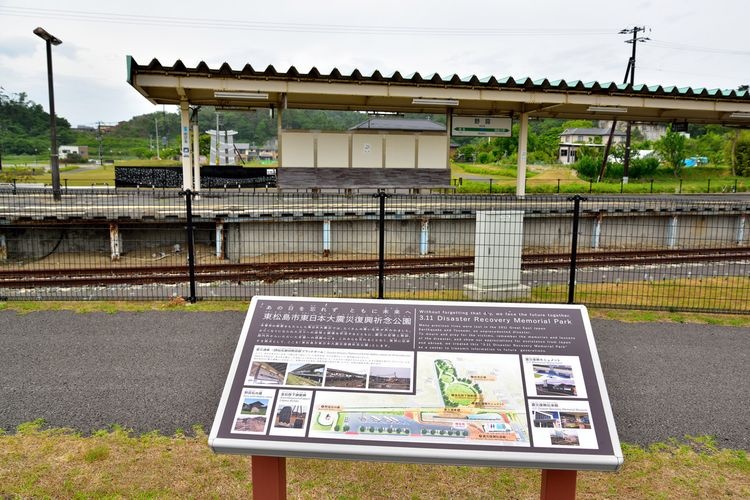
[629, 78]
[631, 67]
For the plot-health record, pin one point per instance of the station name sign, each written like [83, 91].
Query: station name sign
[481, 126]
[418, 381]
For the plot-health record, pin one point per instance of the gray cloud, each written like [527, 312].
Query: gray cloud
[15, 47]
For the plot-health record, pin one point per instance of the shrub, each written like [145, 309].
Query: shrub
[484, 157]
[587, 167]
[643, 167]
[742, 157]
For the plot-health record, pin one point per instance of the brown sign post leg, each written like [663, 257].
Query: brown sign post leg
[558, 484]
[269, 477]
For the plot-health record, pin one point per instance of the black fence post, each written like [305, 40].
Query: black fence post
[680, 186]
[558, 186]
[708, 190]
[574, 247]
[652, 186]
[490, 186]
[381, 195]
[191, 243]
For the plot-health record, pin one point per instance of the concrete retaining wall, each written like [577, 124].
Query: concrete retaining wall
[406, 235]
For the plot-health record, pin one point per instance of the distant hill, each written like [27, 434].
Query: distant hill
[24, 126]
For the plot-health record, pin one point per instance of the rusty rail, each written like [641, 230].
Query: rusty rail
[274, 271]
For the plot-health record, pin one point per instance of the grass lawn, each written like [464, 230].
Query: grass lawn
[36, 463]
[86, 175]
[557, 178]
[178, 304]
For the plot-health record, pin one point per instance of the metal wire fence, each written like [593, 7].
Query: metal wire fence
[668, 253]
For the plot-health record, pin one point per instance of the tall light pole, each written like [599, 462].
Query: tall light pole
[51, 40]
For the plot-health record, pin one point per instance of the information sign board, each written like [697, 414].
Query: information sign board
[418, 381]
[481, 126]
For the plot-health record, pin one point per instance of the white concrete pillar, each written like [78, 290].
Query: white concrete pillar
[220, 239]
[523, 139]
[115, 240]
[597, 232]
[424, 237]
[741, 229]
[279, 128]
[326, 237]
[3, 248]
[672, 231]
[187, 171]
[196, 155]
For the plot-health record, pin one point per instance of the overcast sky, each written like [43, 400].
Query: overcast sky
[693, 43]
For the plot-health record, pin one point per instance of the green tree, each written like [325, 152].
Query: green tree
[672, 149]
[742, 157]
[25, 125]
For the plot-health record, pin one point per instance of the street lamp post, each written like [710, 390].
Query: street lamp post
[51, 40]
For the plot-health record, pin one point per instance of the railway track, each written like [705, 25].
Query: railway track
[275, 271]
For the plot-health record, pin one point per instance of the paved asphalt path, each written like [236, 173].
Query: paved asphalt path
[165, 370]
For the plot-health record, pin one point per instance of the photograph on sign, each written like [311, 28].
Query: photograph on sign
[251, 416]
[554, 376]
[292, 413]
[347, 369]
[484, 383]
[562, 423]
[481, 126]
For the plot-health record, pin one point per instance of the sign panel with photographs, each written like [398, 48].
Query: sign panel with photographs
[418, 381]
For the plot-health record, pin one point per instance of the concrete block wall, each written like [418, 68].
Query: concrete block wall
[455, 236]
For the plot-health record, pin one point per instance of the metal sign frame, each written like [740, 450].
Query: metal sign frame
[481, 126]
[559, 347]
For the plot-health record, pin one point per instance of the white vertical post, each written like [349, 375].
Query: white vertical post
[597, 233]
[672, 232]
[115, 240]
[424, 237]
[196, 155]
[523, 139]
[279, 128]
[3, 248]
[326, 237]
[187, 172]
[741, 229]
[220, 239]
[448, 131]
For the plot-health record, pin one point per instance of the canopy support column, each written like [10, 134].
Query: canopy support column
[196, 152]
[523, 139]
[187, 171]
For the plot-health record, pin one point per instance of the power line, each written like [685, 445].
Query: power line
[692, 73]
[188, 22]
[695, 48]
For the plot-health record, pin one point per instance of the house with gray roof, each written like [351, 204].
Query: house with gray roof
[573, 138]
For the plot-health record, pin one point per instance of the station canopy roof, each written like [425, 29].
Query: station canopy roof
[248, 88]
